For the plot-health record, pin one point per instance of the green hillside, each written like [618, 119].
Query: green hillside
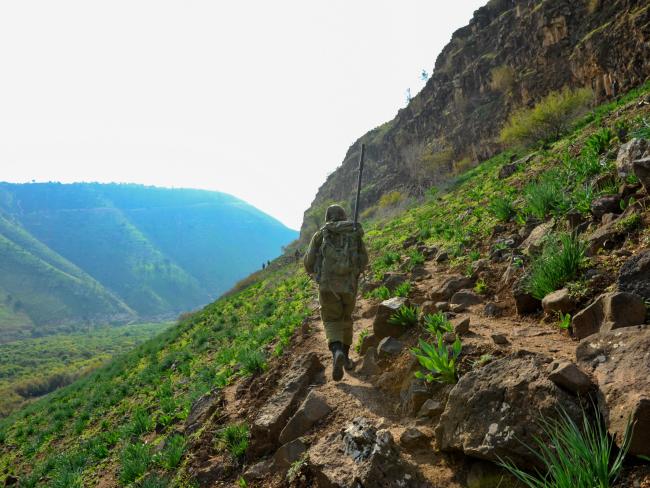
[91, 253]
[124, 424]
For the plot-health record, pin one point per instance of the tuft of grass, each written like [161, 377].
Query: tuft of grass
[480, 287]
[141, 423]
[381, 293]
[362, 334]
[170, 457]
[403, 290]
[629, 223]
[252, 361]
[565, 321]
[503, 208]
[546, 195]
[134, 461]
[575, 456]
[153, 481]
[234, 439]
[406, 316]
[438, 359]
[436, 323]
[559, 263]
[599, 141]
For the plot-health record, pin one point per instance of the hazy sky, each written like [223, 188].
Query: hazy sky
[260, 99]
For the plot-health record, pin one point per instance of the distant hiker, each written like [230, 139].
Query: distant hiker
[335, 258]
[263, 265]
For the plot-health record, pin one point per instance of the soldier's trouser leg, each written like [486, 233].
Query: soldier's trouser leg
[336, 313]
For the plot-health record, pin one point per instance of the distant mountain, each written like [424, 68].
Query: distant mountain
[88, 253]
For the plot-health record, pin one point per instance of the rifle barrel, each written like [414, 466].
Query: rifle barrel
[356, 202]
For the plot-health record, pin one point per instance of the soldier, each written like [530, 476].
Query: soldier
[335, 258]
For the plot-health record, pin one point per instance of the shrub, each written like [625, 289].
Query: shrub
[559, 262]
[380, 293]
[153, 481]
[439, 360]
[503, 77]
[141, 423]
[545, 195]
[502, 208]
[403, 289]
[362, 334]
[574, 456]
[480, 287]
[406, 316]
[252, 361]
[548, 120]
[234, 439]
[135, 461]
[417, 258]
[171, 455]
[437, 323]
[565, 321]
[599, 141]
[390, 199]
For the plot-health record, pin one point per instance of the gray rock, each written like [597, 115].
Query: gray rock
[259, 471]
[458, 308]
[466, 297]
[491, 309]
[368, 342]
[499, 339]
[289, 453]
[201, 410]
[493, 412]
[558, 301]
[628, 153]
[392, 280]
[275, 413]
[431, 408]
[450, 286]
[634, 276]
[461, 327]
[428, 307]
[442, 306]
[413, 438]
[570, 377]
[381, 325]
[642, 171]
[508, 170]
[442, 256]
[369, 365]
[620, 362]
[524, 301]
[609, 311]
[414, 396]
[389, 347]
[313, 409]
[535, 240]
[604, 205]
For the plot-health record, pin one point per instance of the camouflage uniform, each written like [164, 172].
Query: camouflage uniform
[337, 293]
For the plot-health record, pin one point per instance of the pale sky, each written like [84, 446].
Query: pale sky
[259, 99]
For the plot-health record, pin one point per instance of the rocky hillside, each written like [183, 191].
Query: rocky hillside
[512, 53]
[518, 293]
[88, 253]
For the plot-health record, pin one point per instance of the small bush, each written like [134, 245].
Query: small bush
[545, 195]
[480, 287]
[548, 120]
[403, 289]
[599, 141]
[153, 481]
[437, 323]
[234, 439]
[406, 316]
[417, 258]
[364, 333]
[170, 457]
[565, 321]
[380, 293]
[502, 208]
[390, 199]
[252, 361]
[629, 223]
[574, 456]
[135, 461]
[559, 262]
[141, 423]
[439, 360]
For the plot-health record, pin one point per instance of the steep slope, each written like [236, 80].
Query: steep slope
[512, 53]
[130, 250]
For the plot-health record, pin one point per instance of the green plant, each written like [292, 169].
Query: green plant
[380, 293]
[403, 289]
[134, 461]
[296, 468]
[153, 481]
[598, 142]
[438, 359]
[364, 333]
[252, 361]
[406, 316]
[141, 423]
[574, 456]
[171, 455]
[565, 321]
[559, 262]
[436, 323]
[241, 482]
[234, 439]
[546, 195]
[503, 208]
[481, 286]
[482, 360]
[548, 120]
[629, 223]
[417, 258]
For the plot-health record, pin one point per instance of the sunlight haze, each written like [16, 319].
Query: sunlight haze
[257, 99]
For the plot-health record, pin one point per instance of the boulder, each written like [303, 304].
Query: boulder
[466, 298]
[499, 339]
[289, 453]
[620, 362]
[450, 286]
[491, 309]
[419, 273]
[570, 377]
[535, 239]
[525, 303]
[201, 410]
[389, 347]
[609, 311]
[392, 280]
[413, 438]
[605, 204]
[442, 306]
[609, 235]
[369, 363]
[431, 408]
[442, 256]
[313, 409]
[634, 276]
[361, 455]
[275, 413]
[642, 171]
[558, 301]
[258, 471]
[381, 325]
[414, 396]
[428, 307]
[508, 170]
[493, 412]
[628, 153]
[368, 342]
[461, 326]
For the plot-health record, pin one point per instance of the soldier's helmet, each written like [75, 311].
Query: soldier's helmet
[335, 213]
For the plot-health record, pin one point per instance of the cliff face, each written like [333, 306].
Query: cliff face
[512, 53]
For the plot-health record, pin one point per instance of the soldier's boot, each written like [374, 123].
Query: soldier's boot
[338, 360]
[349, 364]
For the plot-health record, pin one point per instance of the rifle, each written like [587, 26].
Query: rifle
[356, 202]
